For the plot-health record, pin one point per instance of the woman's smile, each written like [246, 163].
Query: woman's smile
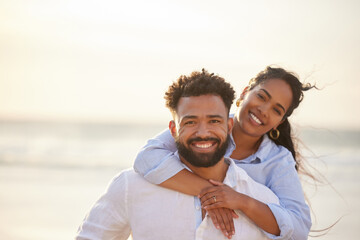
[255, 119]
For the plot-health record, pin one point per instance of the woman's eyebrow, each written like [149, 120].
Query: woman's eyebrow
[267, 93]
[269, 96]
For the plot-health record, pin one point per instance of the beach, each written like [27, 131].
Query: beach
[42, 198]
[47, 203]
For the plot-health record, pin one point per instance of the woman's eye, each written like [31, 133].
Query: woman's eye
[261, 96]
[277, 111]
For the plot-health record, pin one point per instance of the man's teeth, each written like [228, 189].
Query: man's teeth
[255, 118]
[203, 145]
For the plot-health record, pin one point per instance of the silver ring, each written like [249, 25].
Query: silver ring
[214, 197]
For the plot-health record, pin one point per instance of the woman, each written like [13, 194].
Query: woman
[262, 145]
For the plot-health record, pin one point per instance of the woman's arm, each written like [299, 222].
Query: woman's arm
[156, 161]
[293, 214]
[278, 173]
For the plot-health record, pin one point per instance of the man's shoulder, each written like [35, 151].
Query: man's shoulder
[127, 177]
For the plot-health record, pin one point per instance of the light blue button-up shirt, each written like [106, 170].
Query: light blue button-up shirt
[271, 165]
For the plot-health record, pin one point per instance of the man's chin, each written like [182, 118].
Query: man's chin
[204, 157]
[204, 160]
[201, 159]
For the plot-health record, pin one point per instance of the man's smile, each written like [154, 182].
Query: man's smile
[204, 145]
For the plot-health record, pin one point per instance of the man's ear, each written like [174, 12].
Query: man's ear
[172, 128]
[230, 124]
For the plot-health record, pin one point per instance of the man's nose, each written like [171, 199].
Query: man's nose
[202, 130]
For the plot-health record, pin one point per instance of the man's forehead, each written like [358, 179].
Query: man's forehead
[204, 106]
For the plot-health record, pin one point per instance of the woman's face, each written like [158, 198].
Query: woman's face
[263, 107]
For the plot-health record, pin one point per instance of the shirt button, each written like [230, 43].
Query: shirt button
[197, 208]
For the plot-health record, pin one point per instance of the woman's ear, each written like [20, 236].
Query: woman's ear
[172, 128]
[283, 120]
[244, 92]
[230, 124]
[242, 95]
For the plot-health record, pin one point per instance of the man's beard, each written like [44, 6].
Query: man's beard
[202, 159]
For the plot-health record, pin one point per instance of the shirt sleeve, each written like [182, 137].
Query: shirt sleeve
[293, 214]
[108, 217]
[157, 160]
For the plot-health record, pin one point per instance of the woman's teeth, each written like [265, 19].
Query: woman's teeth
[255, 118]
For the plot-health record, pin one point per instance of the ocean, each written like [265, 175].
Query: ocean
[51, 173]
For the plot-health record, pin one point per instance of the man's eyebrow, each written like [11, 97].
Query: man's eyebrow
[195, 117]
[214, 116]
[188, 117]
[269, 96]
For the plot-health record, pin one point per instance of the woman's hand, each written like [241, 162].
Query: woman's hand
[222, 218]
[219, 196]
[223, 196]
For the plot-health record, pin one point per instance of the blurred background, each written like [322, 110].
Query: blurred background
[82, 85]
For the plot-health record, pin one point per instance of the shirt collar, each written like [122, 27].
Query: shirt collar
[234, 174]
[263, 151]
[231, 177]
[264, 148]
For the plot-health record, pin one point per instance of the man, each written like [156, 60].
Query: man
[200, 105]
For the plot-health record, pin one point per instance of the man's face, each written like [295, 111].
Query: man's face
[200, 128]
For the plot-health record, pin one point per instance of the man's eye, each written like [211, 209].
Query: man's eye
[214, 121]
[189, 123]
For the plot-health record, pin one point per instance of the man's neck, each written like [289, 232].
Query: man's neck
[216, 172]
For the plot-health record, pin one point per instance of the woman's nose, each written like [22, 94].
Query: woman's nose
[264, 109]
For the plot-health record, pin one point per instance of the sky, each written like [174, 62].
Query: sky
[112, 61]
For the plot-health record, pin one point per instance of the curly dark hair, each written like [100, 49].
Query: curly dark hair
[197, 84]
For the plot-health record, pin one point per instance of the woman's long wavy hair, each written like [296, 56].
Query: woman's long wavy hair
[285, 138]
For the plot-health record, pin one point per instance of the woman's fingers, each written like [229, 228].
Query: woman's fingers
[228, 221]
[223, 196]
[209, 199]
[223, 220]
[213, 206]
[234, 214]
[209, 195]
[207, 190]
[215, 183]
[214, 218]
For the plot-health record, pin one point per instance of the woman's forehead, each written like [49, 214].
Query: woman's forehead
[278, 89]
